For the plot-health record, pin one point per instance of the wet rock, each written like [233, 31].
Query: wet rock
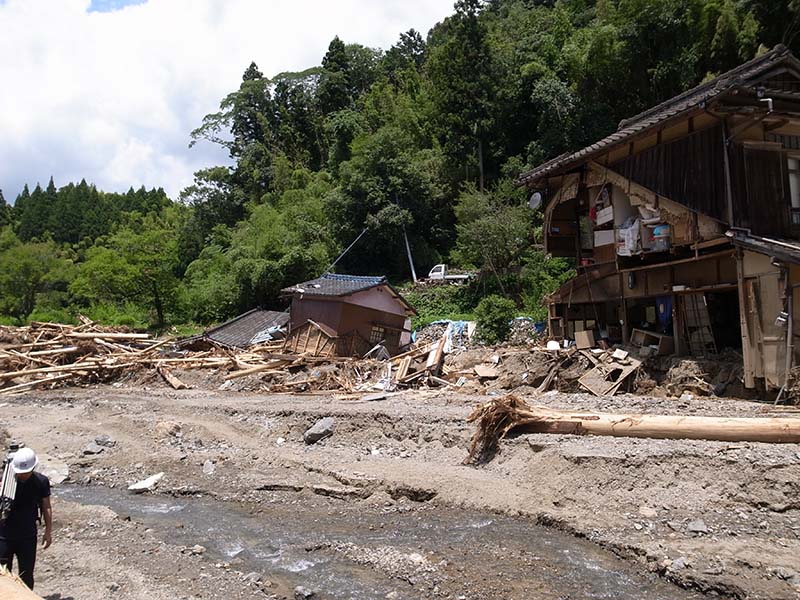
[145, 485]
[697, 526]
[209, 468]
[93, 448]
[105, 440]
[198, 550]
[301, 593]
[321, 429]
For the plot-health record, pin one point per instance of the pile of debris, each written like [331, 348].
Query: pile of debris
[526, 332]
[46, 353]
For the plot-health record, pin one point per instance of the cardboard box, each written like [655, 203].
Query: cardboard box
[584, 339]
[604, 237]
[605, 215]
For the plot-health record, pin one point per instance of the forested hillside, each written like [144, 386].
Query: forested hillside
[423, 138]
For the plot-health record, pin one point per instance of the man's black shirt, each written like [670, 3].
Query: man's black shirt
[21, 522]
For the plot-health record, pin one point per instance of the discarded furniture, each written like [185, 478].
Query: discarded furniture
[664, 344]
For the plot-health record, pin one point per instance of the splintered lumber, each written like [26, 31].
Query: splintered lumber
[275, 364]
[12, 588]
[171, 379]
[412, 353]
[108, 336]
[31, 384]
[606, 377]
[403, 367]
[497, 418]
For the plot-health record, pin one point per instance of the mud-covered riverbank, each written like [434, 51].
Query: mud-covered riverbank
[710, 517]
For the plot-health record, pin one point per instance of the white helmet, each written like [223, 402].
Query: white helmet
[24, 460]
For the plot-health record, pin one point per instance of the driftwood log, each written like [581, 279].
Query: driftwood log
[497, 418]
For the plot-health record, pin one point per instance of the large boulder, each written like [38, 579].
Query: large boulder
[321, 429]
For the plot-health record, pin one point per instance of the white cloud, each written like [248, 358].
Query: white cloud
[112, 96]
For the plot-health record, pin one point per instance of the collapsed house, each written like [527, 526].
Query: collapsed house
[347, 315]
[685, 223]
[256, 326]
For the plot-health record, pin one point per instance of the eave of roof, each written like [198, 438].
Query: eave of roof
[322, 288]
[781, 249]
[691, 100]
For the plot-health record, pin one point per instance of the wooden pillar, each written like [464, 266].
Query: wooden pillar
[625, 329]
[678, 324]
[747, 349]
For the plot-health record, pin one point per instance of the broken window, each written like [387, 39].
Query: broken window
[377, 335]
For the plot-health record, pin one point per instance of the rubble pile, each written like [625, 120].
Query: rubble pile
[46, 355]
[525, 332]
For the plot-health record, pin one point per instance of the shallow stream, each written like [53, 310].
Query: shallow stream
[363, 552]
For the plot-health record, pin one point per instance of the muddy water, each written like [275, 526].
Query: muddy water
[363, 552]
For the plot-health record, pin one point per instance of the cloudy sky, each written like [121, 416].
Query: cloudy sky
[109, 90]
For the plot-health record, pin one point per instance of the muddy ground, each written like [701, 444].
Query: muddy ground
[714, 518]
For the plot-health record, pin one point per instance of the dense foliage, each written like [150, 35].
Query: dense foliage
[421, 141]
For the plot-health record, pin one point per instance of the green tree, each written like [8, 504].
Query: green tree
[5, 212]
[136, 264]
[460, 72]
[333, 90]
[26, 270]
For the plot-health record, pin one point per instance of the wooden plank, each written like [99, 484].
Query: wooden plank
[35, 383]
[171, 379]
[405, 365]
[108, 336]
[415, 352]
[486, 371]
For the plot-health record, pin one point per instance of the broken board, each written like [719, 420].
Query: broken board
[605, 378]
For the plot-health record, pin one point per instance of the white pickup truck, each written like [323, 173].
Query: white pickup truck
[439, 272]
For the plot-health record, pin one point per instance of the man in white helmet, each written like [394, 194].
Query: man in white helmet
[18, 533]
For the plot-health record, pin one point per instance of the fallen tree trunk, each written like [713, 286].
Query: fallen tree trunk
[11, 588]
[497, 418]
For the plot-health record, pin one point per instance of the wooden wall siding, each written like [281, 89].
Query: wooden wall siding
[760, 197]
[689, 170]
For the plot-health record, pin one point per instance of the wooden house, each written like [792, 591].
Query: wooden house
[685, 223]
[353, 312]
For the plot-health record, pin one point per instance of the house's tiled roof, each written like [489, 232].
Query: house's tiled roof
[338, 286]
[240, 331]
[332, 284]
[682, 103]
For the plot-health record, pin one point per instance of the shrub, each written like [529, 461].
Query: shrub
[437, 302]
[494, 314]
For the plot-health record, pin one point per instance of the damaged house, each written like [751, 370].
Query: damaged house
[685, 223]
[347, 315]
